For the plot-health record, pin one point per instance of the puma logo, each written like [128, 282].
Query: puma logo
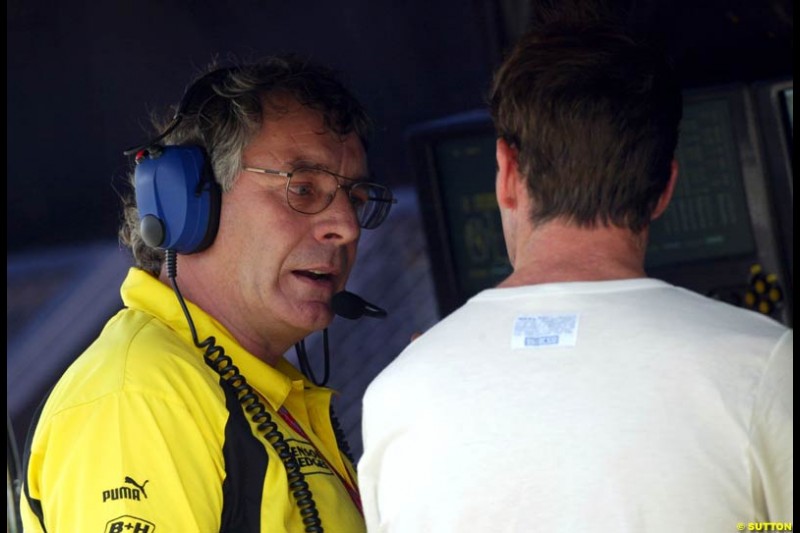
[130, 480]
[126, 493]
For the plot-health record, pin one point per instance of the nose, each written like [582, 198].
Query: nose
[338, 221]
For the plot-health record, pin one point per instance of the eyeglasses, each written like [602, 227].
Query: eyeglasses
[310, 190]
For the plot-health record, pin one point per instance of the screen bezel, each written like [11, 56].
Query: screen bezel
[777, 141]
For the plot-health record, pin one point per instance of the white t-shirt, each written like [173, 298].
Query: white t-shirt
[591, 406]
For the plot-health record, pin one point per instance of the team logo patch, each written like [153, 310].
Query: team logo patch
[125, 492]
[308, 458]
[129, 524]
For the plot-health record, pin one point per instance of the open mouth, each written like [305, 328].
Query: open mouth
[314, 275]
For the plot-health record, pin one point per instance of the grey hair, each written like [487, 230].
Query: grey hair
[224, 109]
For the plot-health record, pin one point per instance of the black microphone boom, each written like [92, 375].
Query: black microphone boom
[348, 305]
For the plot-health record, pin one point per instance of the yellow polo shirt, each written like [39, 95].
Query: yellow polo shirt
[140, 435]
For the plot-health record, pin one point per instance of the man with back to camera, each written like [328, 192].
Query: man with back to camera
[184, 415]
[579, 395]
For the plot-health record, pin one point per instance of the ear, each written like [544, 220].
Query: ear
[507, 181]
[666, 196]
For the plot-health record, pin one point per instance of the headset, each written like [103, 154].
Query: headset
[177, 195]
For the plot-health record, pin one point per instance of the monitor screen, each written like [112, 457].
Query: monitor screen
[467, 165]
[454, 160]
[720, 236]
[708, 217]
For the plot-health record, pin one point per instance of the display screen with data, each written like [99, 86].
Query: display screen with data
[708, 217]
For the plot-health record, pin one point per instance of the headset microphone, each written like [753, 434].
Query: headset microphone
[348, 305]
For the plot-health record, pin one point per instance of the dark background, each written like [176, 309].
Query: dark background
[83, 76]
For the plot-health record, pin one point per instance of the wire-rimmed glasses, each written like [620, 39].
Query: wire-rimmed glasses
[310, 190]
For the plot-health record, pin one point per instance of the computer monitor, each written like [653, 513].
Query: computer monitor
[718, 237]
[454, 161]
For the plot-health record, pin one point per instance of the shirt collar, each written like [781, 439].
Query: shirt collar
[144, 292]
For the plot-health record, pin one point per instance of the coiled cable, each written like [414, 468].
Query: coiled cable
[215, 357]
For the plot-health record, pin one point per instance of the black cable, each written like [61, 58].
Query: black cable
[222, 364]
[341, 438]
[305, 368]
[305, 365]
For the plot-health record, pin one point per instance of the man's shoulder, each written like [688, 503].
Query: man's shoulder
[135, 353]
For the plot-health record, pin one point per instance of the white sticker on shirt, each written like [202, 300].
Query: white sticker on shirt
[542, 331]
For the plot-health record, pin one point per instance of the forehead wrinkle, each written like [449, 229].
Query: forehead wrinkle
[333, 157]
[297, 135]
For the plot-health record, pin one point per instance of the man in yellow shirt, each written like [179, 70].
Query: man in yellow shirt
[183, 415]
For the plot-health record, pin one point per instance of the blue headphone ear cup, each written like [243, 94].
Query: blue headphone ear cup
[178, 199]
